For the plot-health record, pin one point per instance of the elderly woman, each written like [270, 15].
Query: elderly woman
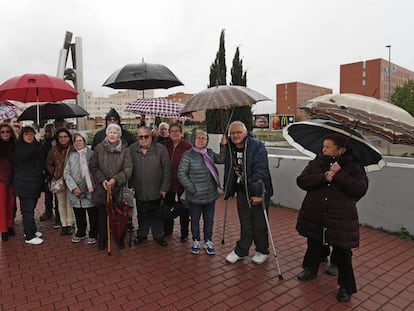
[334, 182]
[111, 167]
[27, 180]
[199, 177]
[7, 199]
[80, 187]
[55, 164]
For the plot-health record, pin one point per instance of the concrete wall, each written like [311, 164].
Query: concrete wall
[388, 203]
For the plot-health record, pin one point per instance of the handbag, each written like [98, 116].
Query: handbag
[58, 185]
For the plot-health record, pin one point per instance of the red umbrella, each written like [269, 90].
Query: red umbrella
[30, 88]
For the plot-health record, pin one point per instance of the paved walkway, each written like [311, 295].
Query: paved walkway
[60, 275]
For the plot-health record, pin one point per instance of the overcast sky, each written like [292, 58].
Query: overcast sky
[280, 41]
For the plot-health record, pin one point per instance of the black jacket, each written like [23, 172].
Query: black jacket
[28, 169]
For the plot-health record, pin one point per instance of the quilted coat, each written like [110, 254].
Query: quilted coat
[329, 209]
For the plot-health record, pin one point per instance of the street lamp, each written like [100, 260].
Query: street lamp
[389, 71]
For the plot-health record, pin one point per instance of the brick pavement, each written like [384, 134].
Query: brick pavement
[61, 275]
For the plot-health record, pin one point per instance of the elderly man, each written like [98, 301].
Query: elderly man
[151, 179]
[247, 175]
[163, 132]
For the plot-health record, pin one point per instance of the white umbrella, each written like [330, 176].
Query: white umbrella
[367, 113]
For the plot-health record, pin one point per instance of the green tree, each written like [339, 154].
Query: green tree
[239, 77]
[403, 96]
[218, 70]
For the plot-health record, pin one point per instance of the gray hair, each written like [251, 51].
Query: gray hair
[113, 126]
[240, 123]
[164, 124]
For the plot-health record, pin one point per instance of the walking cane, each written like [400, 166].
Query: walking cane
[225, 219]
[108, 225]
[270, 232]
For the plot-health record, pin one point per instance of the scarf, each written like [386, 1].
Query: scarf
[117, 148]
[85, 169]
[209, 164]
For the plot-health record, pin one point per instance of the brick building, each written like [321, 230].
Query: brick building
[370, 77]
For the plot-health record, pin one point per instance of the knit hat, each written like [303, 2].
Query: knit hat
[83, 135]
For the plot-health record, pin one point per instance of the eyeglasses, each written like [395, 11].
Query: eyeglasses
[5, 132]
[175, 131]
[142, 137]
[63, 136]
[201, 138]
[236, 133]
[112, 119]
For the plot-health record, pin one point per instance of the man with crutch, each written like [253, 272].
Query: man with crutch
[246, 170]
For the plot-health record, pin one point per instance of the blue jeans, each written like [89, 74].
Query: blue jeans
[208, 217]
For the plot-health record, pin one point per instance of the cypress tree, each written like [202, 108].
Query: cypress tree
[216, 119]
[238, 77]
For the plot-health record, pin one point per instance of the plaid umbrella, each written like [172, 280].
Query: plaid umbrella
[158, 107]
[8, 110]
[223, 97]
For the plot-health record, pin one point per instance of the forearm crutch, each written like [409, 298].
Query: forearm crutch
[270, 232]
[225, 219]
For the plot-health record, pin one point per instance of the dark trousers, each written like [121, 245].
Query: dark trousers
[27, 207]
[81, 223]
[253, 227]
[101, 223]
[339, 257]
[208, 219]
[174, 209]
[150, 216]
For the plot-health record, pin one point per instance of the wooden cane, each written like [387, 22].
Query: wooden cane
[108, 225]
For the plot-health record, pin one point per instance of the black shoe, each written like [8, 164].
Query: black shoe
[4, 236]
[343, 295]
[11, 232]
[63, 231]
[102, 245]
[306, 275]
[324, 259]
[69, 230]
[332, 270]
[161, 242]
[139, 240]
[184, 239]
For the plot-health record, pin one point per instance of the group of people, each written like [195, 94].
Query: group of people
[172, 177]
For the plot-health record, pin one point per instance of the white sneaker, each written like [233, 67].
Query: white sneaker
[34, 241]
[233, 257]
[195, 249]
[259, 258]
[91, 241]
[209, 247]
[38, 234]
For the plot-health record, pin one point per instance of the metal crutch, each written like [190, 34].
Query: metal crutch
[225, 220]
[270, 232]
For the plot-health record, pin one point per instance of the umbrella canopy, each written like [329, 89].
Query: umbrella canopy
[370, 114]
[158, 107]
[142, 76]
[30, 88]
[307, 137]
[223, 97]
[53, 111]
[8, 110]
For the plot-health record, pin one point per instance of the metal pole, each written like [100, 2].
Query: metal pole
[389, 72]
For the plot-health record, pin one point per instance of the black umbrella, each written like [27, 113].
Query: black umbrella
[307, 137]
[53, 111]
[142, 76]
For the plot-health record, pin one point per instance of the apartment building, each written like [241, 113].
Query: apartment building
[290, 95]
[372, 77]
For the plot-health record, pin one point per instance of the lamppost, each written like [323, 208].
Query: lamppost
[389, 71]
